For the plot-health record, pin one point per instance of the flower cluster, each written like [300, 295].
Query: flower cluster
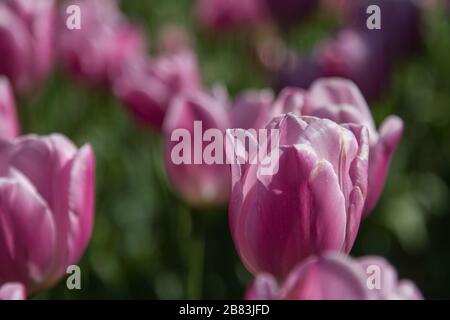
[293, 227]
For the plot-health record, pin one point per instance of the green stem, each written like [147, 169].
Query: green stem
[196, 258]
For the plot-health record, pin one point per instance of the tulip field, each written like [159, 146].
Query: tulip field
[117, 119]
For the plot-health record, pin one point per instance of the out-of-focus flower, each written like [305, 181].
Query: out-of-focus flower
[27, 31]
[252, 109]
[286, 12]
[105, 44]
[311, 204]
[9, 126]
[199, 183]
[336, 277]
[341, 101]
[148, 86]
[12, 291]
[355, 56]
[297, 72]
[401, 25]
[47, 208]
[220, 15]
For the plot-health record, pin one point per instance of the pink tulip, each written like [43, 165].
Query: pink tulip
[341, 101]
[147, 87]
[311, 204]
[12, 291]
[354, 55]
[27, 30]
[336, 277]
[208, 184]
[47, 203]
[199, 183]
[105, 43]
[9, 126]
[220, 15]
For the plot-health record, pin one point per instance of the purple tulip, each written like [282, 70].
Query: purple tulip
[401, 25]
[336, 277]
[299, 72]
[47, 208]
[27, 30]
[311, 204]
[220, 15]
[199, 183]
[104, 45]
[146, 89]
[12, 291]
[9, 126]
[341, 101]
[353, 55]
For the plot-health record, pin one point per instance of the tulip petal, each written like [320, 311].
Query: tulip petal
[27, 232]
[12, 291]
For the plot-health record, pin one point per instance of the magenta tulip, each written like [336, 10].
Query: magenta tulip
[46, 208]
[12, 291]
[146, 89]
[341, 101]
[311, 204]
[105, 44]
[199, 183]
[9, 126]
[27, 31]
[336, 277]
[220, 15]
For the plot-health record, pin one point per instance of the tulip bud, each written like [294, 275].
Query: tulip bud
[47, 207]
[9, 126]
[311, 204]
[336, 277]
[12, 291]
[341, 101]
[200, 182]
[146, 89]
[27, 30]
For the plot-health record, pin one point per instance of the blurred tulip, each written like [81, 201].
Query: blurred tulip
[47, 208]
[252, 109]
[220, 15]
[297, 72]
[401, 25]
[355, 56]
[200, 184]
[311, 204]
[286, 12]
[9, 126]
[105, 44]
[146, 89]
[27, 31]
[336, 277]
[341, 101]
[12, 291]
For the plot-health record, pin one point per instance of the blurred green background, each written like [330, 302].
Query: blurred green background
[141, 244]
